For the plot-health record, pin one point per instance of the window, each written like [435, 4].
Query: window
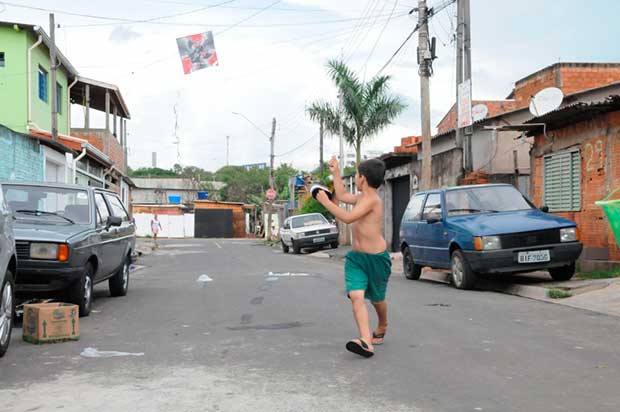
[562, 181]
[432, 208]
[59, 98]
[48, 203]
[414, 209]
[309, 220]
[42, 84]
[485, 199]
[102, 209]
[2, 60]
[118, 209]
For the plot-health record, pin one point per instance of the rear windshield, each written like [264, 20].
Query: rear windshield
[309, 220]
[52, 204]
[485, 199]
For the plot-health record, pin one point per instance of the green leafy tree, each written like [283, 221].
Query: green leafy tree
[152, 172]
[368, 107]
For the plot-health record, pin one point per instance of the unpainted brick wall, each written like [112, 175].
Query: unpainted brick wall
[599, 142]
[21, 157]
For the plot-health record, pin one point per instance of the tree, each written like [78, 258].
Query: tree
[368, 107]
[152, 172]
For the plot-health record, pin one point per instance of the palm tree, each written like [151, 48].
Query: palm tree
[368, 107]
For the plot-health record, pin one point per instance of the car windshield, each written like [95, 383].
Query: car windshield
[308, 220]
[485, 199]
[57, 205]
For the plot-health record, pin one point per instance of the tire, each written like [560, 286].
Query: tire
[334, 245]
[81, 293]
[563, 273]
[296, 248]
[7, 311]
[285, 248]
[411, 270]
[119, 283]
[462, 275]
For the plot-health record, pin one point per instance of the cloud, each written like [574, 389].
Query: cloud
[123, 34]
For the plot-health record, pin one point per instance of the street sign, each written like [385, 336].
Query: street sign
[464, 104]
[271, 194]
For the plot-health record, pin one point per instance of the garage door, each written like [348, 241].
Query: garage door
[216, 223]
[400, 199]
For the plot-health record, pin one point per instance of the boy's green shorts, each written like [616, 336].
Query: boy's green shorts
[368, 272]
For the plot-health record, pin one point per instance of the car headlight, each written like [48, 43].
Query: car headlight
[295, 235]
[49, 251]
[333, 230]
[487, 243]
[569, 234]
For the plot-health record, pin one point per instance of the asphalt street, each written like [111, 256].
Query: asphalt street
[243, 339]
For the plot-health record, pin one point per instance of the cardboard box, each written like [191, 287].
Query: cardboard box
[51, 323]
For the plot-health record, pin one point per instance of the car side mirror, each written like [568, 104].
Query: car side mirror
[433, 218]
[114, 221]
[544, 209]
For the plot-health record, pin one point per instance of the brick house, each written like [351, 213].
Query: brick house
[575, 162]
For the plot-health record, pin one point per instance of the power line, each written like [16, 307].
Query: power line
[416, 28]
[297, 147]
[116, 19]
[381, 33]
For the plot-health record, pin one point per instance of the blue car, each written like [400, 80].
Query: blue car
[491, 229]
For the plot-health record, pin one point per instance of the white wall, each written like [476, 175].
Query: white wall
[55, 166]
[172, 226]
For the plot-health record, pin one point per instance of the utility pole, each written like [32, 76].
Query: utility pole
[467, 77]
[459, 67]
[322, 167]
[271, 180]
[341, 140]
[227, 150]
[425, 60]
[53, 78]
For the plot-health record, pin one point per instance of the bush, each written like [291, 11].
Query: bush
[310, 205]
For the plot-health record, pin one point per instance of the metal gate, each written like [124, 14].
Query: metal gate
[400, 199]
[209, 223]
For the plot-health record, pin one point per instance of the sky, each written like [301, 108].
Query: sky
[272, 57]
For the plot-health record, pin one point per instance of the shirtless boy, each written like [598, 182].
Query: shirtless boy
[368, 266]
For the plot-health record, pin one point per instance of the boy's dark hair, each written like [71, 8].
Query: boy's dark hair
[373, 170]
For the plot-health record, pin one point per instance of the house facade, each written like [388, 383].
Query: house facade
[96, 157]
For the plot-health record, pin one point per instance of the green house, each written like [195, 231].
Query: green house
[25, 80]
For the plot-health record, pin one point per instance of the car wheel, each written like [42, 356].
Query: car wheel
[563, 273]
[7, 309]
[81, 293]
[296, 248]
[462, 275]
[285, 248]
[334, 245]
[119, 283]
[412, 271]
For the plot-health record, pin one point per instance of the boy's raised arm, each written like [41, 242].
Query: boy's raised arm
[339, 191]
[362, 207]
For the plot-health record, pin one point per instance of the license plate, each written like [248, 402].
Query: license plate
[535, 256]
[318, 239]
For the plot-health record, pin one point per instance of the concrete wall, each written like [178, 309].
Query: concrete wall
[21, 157]
[160, 196]
[172, 226]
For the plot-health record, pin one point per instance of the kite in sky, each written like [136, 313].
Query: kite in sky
[197, 52]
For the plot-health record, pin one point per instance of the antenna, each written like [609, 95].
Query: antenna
[479, 112]
[545, 101]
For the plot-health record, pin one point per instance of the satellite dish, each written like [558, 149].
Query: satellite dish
[545, 101]
[479, 112]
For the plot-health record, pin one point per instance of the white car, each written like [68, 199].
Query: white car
[8, 262]
[305, 231]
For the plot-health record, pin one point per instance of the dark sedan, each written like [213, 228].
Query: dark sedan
[69, 238]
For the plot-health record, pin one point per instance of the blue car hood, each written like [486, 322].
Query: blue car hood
[487, 224]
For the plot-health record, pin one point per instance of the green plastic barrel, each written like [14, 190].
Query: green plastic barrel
[612, 210]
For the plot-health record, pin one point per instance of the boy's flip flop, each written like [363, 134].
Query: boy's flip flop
[378, 336]
[359, 348]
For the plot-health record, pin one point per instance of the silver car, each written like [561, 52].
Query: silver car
[309, 230]
[7, 281]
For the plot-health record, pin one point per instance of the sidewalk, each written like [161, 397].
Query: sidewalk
[598, 295]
